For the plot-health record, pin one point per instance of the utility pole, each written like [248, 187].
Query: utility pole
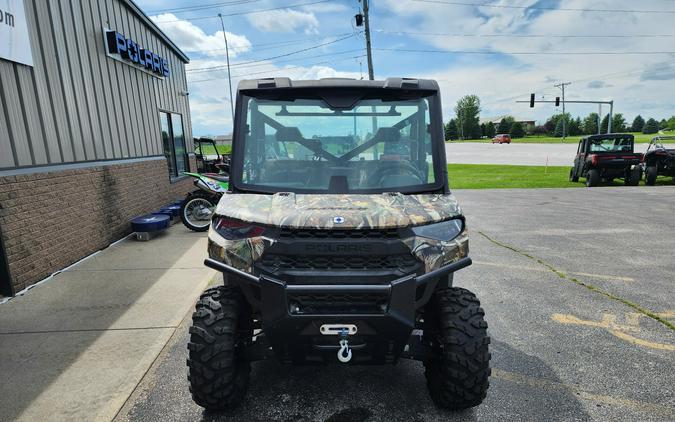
[229, 77]
[562, 86]
[371, 74]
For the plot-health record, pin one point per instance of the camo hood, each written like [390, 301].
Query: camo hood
[349, 211]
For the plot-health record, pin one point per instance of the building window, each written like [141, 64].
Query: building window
[173, 140]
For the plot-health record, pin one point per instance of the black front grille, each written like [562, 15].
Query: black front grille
[322, 303]
[396, 263]
[307, 234]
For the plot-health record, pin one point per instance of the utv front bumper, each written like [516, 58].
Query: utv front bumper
[384, 313]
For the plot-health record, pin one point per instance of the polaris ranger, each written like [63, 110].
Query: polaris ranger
[338, 253]
[607, 157]
[659, 160]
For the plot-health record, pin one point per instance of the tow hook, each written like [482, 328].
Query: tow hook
[345, 353]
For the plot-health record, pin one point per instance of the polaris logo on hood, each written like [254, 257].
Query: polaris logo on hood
[338, 248]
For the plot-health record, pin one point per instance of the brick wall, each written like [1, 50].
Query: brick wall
[51, 220]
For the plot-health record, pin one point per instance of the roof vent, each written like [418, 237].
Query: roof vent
[409, 83]
[274, 83]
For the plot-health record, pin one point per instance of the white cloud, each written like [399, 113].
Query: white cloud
[190, 37]
[285, 21]
[209, 91]
[659, 72]
[503, 78]
[596, 84]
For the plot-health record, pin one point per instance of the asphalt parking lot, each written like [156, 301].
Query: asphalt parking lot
[577, 285]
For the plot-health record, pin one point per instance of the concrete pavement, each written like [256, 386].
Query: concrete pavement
[75, 347]
[515, 154]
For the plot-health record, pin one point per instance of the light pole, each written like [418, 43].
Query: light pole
[366, 18]
[229, 76]
[562, 86]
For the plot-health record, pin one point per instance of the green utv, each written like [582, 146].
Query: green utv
[338, 239]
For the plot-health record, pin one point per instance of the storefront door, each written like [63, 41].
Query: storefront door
[5, 286]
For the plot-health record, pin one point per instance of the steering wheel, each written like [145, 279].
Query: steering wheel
[381, 172]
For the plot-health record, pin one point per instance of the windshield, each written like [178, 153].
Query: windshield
[306, 145]
[611, 145]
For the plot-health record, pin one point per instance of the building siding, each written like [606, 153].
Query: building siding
[77, 104]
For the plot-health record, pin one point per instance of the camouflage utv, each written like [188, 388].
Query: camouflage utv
[338, 241]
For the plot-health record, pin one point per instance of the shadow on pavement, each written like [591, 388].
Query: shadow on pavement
[335, 393]
[67, 345]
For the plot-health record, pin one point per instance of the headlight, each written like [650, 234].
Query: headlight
[443, 231]
[234, 229]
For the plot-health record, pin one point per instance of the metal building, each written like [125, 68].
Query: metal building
[94, 118]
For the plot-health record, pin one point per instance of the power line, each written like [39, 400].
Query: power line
[202, 7]
[555, 9]
[337, 53]
[590, 78]
[248, 12]
[277, 56]
[439, 34]
[528, 53]
[265, 46]
[278, 70]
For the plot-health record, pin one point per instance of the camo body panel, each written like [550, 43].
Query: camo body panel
[383, 211]
[379, 211]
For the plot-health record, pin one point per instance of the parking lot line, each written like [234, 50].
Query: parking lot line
[608, 322]
[591, 287]
[544, 270]
[548, 385]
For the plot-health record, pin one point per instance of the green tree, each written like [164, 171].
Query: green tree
[505, 125]
[451, 130]
[590, 125]
[663, 124]
[638, 124]
[467, 111]
[574, 127]
[482, 130]
[651, 126]
[556, 119]
[671, 123]
[618, 123]
[491, 131]
[558, 132]
[517, 130]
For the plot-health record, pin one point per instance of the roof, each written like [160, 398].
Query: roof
[394, 83]
[499, 119]
[155, 29]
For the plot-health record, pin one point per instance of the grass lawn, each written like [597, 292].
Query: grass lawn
[492, 176]
[222, 149]
[495, 176]
[639, 138]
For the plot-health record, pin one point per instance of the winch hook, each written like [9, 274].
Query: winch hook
[345, 353]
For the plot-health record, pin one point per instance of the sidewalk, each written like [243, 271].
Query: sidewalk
[75, 347]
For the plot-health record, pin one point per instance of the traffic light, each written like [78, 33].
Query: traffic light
[531, 100]
[359, 19]
[557, 101]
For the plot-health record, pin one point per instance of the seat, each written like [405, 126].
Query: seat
[218, 177]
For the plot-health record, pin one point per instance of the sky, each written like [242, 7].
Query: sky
[502, 51]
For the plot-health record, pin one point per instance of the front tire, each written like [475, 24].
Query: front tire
[650, 175]
[458, 377]
[592, 178]
[193, 204]
[218, 374]
[634, 177]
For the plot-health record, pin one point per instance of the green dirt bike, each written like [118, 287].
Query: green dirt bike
[198, 206]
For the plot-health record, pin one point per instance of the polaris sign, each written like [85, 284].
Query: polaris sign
[14, 39]
[122, 48]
